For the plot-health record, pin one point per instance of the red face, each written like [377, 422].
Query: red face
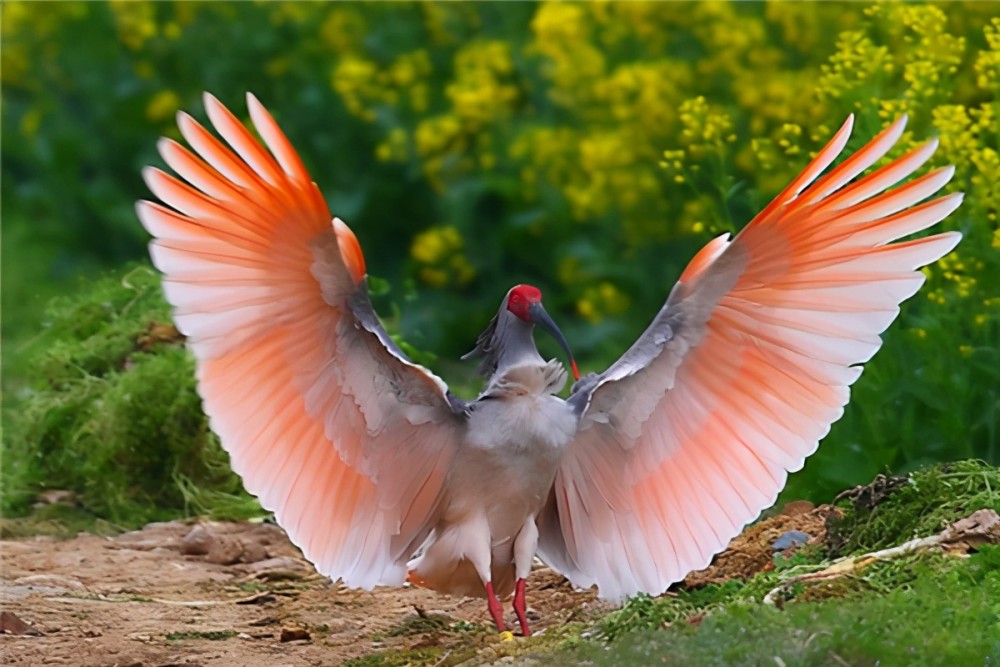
[521, 297]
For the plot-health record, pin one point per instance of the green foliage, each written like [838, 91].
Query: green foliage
[948, 615]
[112, 413]
[919, 505]
[921, 608]
[588, 148]
[925, 503]
[398, 658]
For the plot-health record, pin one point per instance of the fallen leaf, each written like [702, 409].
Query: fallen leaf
[10, 624]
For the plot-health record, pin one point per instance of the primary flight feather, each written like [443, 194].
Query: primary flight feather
[380, 474]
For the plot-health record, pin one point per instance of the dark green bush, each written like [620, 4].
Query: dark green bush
[112, 413]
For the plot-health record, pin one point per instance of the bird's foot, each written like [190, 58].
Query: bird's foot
[506, 636]
[520, 607]
[496, 611]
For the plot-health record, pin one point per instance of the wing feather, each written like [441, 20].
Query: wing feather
[326, 421]
[694, 430]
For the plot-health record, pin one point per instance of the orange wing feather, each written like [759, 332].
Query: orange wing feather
[262, 284]
[693, 432]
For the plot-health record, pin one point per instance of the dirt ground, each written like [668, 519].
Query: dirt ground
[237, 594]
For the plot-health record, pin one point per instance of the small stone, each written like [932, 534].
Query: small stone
[253, 552]
[789, 539]
[197, 542]
[56, 497]
[225, 551]
[293, 634]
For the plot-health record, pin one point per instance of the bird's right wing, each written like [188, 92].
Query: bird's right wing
[324, 418]
[692, 432]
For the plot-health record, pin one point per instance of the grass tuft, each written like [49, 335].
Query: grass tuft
[947, 613]
[113, 415]
[920, 608]
[922, 504]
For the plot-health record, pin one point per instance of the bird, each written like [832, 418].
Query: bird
[645, 470]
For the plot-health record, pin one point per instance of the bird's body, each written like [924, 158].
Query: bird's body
[516, 435]
[644, 472]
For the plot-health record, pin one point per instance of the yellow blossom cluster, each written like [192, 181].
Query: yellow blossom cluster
[438, 253]
[968, 140]
[481, 95]
[363, 85]
[481, 91]
[562, 112]
[988, 60]
[563, 34]
[601, 301]
[957, 278]
[136, 22]
[858, 62]
[704, 131]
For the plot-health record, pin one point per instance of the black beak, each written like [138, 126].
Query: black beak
[540, 317]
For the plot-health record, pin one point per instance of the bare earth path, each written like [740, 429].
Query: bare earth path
[150, 598]
[240, 594]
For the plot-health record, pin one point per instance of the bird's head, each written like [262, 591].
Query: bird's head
[506, 334]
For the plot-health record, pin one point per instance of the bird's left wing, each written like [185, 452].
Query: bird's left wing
[324, 418]
[692, 432]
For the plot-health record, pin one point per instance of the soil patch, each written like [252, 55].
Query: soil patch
[228, 594]
[236, 594]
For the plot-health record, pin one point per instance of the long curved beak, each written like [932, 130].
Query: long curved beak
[540, 317]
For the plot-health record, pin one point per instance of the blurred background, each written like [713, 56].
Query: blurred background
[590, 149]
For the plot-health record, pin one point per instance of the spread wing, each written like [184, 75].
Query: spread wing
[692, 432]
[325, 419]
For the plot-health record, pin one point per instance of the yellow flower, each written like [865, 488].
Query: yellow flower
[601, 301]
[704, 131]
[480, 93]
[438, 250]
[988, 61]
[857, 61]
[354, 79]
[135, 22]
[395, 148]
[343, 30]
[162, 105]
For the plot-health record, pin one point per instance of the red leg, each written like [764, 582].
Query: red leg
[520, 607]
[493, 604]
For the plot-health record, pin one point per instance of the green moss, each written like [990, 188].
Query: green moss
[113, 414]
[415, 625]
[948, 614]
[923, 504]
[398, 658]
[921, 608]
[57, 520]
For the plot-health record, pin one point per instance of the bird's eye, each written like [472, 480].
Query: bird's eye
[516, 298]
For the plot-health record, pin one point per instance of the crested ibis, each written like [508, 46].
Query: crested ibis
[645, 471]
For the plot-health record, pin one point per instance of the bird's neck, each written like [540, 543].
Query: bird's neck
[532, 378]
